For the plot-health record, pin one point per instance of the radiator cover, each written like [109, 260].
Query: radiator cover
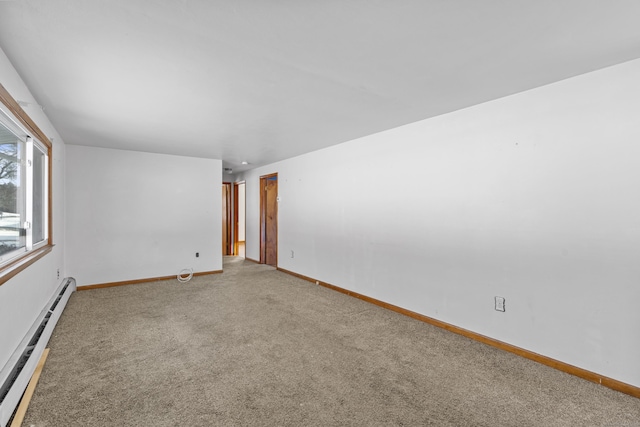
[16, 374]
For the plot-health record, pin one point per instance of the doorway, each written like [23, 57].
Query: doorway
[226, 218]
[239, 217]
[269, 219]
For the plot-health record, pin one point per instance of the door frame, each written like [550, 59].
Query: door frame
[236, 218]
[263, 218]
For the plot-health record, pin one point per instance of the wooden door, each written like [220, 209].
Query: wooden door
[269, 220]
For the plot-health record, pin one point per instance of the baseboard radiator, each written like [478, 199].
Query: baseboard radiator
[16, 374]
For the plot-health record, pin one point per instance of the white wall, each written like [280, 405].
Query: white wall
[241, 212]
[533, 197]
[24, 296]
[133, 215]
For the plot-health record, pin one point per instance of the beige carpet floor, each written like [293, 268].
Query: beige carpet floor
[256, 347]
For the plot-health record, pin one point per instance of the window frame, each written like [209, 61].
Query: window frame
[15, 112]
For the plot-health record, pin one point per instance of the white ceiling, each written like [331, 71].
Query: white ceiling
[261, 81]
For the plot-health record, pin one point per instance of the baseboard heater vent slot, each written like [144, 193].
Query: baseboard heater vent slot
[26, 354]
[40, 330]
[59, 297]
[17, 372]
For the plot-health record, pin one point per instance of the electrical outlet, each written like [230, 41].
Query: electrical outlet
[197, 254]
[58, 273]
[292, 254]
[500, 304]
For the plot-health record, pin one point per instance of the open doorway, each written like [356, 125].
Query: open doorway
[226, 218]
[269, 219]
[239, 201]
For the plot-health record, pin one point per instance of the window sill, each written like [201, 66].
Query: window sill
[10, 270]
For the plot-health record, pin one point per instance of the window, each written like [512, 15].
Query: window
[24, 188]
[12, 202]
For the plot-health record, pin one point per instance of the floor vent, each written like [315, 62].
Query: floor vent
[17, 372]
